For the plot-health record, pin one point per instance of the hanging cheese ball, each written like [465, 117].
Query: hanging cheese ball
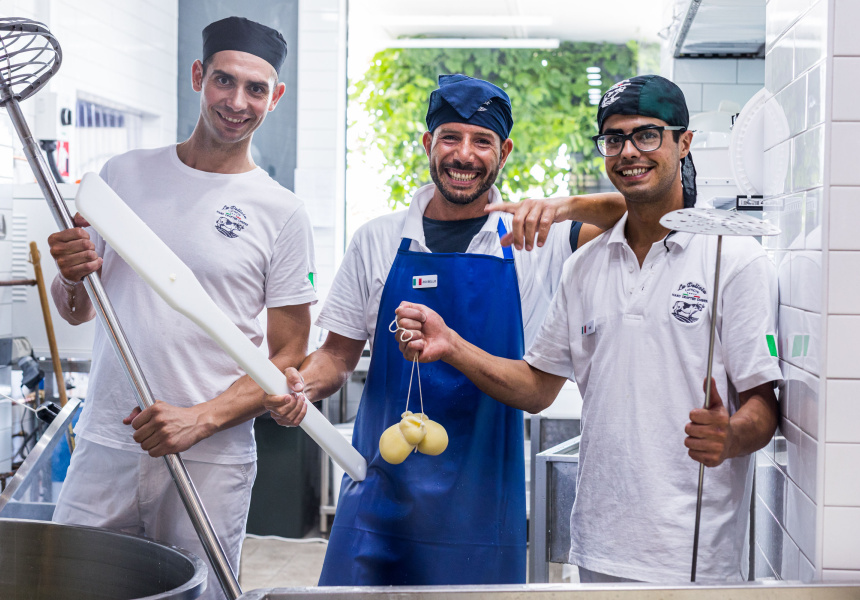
[435, 440]
[412, 428]
[393, 446]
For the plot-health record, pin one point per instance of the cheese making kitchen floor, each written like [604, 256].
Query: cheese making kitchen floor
[279, 563]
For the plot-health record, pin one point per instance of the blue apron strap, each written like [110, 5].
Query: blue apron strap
[506, 250]
[404, 244]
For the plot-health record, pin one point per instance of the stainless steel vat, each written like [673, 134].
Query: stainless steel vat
[629, 591]
[48, 561]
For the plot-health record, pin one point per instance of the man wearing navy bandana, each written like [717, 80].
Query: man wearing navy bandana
[459, 517]
[631, 319]
[249, 242]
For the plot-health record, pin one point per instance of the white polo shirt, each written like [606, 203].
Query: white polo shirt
[352, 304]
[637, 339]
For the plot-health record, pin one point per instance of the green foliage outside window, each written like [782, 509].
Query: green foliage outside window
[553, 118]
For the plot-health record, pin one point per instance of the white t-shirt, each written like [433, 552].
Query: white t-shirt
[249, 242]
[637, 340]
[352, 305]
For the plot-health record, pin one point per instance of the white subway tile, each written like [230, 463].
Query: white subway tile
[807, 571]
[713, 94]
[807, 160]
[815, 99]
[770, 486]
[841, 538]
[789, 568]
[693, 96]
[791, 335]
[843, 170]
[801, 454]
[776, 127]
[806, 280]
[846, 89]
[777, 170]
[841, 484]
[803, 402]
[769, 536]
[846, 42]
[843, 411]
[813, 208]
[840, 576]
[812, 343]
[842, 335]
[787, 214]
[800, 519]
[751, 70]
[844, 283]
[810, 38]
[792, 101]
[779, 64]
[693, 70]
[844, 216]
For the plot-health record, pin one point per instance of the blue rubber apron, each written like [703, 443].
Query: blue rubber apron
[457, 518]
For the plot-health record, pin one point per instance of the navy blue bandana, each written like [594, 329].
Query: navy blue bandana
[244, 35]
[462, 99]
[657, 97]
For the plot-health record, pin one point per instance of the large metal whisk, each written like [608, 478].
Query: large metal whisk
[719, 223]
[29, 57]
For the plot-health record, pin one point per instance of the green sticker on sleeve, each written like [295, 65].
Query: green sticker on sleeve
[771, 345]
[311, 279]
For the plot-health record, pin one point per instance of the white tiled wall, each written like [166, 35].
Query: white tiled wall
[321, 152]
[789, 505]
[707, 82]
[121, 52]
[840, 535]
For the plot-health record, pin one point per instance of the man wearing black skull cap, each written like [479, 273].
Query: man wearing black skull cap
[457, 517]
[249, 242]
[640, 361]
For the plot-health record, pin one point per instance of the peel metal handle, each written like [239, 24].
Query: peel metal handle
[165, 273]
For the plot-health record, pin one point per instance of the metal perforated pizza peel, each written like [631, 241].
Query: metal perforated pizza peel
[711, 221]
[165, 273]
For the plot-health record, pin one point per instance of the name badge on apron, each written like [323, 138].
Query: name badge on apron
[424, 281]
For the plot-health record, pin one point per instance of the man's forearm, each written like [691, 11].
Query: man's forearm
[72, 302]
[512, 382]
[602, 210]
[754, 423]
[325, 373]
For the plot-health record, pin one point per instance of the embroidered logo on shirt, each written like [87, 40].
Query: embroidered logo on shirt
[688, 302]
[231, 221]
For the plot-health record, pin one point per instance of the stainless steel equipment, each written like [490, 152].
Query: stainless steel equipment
[41, 452]
[47, 561]
[29, 56]
[554, 493]
[630, 591]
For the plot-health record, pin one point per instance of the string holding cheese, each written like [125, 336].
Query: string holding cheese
[414, 432]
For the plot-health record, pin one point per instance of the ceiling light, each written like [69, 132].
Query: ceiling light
[544, 43]
[593, 70]
[481, 21]
[595, 82]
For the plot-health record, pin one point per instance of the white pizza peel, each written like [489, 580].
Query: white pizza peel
[165, 273]
[710, 221]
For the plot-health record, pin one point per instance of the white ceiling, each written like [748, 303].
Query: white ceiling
[374, 23]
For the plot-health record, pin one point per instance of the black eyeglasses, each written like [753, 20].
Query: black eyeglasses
[647, 139]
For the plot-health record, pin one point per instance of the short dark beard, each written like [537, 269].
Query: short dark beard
[656, 195]
[450, 196]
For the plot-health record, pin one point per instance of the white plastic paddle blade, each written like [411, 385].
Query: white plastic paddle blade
[165, 273]
[712, 221]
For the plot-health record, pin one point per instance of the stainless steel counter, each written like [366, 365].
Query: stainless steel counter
[548, 591]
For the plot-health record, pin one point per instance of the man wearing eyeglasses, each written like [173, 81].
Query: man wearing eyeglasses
[631, 319]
